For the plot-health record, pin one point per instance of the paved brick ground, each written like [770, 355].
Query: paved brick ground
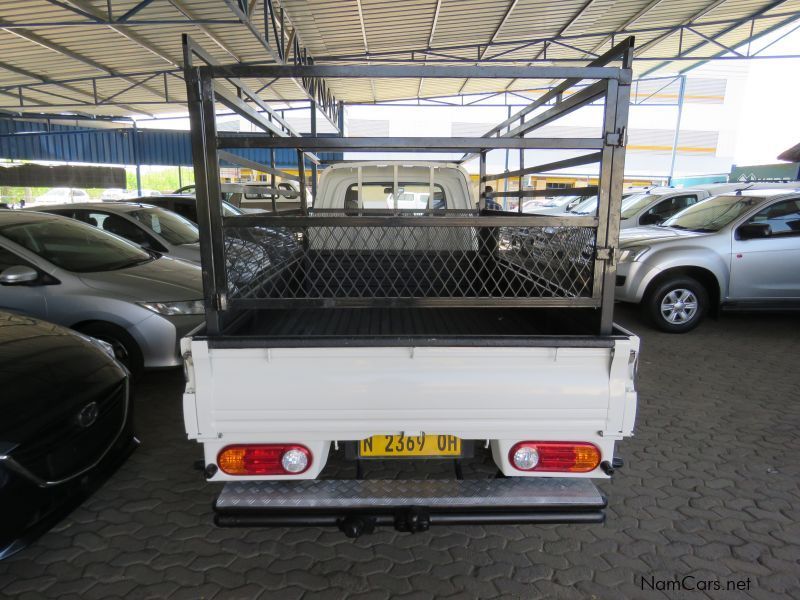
[711, 490]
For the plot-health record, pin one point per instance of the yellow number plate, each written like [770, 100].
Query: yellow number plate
[427, 444]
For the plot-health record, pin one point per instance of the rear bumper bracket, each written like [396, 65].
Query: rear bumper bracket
[358, 506]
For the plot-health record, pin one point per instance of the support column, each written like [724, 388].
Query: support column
[676, 137]
[136, 159]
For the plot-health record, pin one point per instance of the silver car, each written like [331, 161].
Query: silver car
[737, 251]
[72, 274]
[149, 226]
[646, 207]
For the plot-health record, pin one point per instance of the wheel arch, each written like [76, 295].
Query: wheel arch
[704, 276]
[136, 348]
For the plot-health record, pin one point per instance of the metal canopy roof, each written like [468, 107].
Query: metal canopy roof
[72, 55]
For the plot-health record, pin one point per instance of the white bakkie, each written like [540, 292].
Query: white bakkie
[317, 396]
[549, 408]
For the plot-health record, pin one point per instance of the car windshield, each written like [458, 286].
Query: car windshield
[75, 246]
[229, 210]
[712, 214]
[636, 202]
[173, 228]
[587, 207]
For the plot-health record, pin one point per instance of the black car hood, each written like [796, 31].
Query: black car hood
[47, 373]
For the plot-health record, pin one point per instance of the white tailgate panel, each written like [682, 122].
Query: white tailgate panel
[351, 393]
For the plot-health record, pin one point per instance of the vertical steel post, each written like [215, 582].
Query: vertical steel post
[430, 188]
[521, 166]
[203, 132]
[505, 179]
[136, 159]
[313, 164]
[272, 177]
[676, 137]
[481, 182]
[612, 173]
[301, 171]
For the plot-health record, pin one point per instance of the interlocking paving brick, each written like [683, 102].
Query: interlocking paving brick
[710, 488]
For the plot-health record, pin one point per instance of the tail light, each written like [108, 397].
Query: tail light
[568, 457]
[264, 459]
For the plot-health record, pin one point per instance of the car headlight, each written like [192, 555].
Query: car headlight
[632, 254]
[172, 309]
[104, 346]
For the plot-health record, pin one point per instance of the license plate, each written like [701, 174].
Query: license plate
[425, 445]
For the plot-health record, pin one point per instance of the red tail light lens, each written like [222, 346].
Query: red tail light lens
[264, 459]
[566, 457]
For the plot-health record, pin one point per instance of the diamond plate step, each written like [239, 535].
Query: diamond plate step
[353, 493]
[398, 502]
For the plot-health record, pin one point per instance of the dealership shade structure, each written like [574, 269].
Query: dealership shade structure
[124, 57]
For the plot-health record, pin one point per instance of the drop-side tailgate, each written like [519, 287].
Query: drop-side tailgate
[349, 393]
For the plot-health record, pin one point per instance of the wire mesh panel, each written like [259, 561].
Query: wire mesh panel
[352, 261]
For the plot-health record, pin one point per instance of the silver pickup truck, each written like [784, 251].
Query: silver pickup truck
[735, 251]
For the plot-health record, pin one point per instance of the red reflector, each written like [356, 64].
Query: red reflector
[567, 457]
[259, 459]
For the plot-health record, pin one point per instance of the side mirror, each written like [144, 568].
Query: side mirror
[751, 231]
[18, 274]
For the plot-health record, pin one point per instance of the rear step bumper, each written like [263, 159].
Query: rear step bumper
[358, 506]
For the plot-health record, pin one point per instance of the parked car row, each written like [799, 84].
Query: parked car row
[127, 272]
[66, 420]
[100, 283]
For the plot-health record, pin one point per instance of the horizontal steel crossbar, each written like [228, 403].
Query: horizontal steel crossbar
[581, 191]
[413, 144]
[586, 159]
[489, 302]
[416, 71]
[524, 220]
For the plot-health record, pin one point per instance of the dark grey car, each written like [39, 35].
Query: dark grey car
[149, 226]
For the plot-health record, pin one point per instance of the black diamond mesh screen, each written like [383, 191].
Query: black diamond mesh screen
[351, 260]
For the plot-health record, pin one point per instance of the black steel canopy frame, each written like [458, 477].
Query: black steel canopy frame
[214, 84]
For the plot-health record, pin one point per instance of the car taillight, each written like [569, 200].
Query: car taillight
[569, 457]
[264, 459]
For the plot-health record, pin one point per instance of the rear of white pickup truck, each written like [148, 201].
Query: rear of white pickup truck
[427, 335]
[277, 409]
[403, 351]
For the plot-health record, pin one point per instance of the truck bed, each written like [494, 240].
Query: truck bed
[428, 326]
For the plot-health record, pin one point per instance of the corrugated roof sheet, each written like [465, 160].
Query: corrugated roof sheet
[137, 66]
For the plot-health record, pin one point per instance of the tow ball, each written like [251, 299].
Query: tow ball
[412, 520]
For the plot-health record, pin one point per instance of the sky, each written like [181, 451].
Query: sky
[770, 115]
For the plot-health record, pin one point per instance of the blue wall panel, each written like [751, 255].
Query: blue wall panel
[29, 140]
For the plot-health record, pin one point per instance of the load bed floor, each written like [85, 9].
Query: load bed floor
[377, 323]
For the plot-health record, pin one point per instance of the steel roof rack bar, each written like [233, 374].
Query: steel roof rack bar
[233, 248]
[415, 144]
[621, 51]
[586, 159]
[414, 71]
